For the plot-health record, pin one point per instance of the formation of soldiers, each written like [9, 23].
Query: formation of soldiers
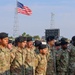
[23, 57]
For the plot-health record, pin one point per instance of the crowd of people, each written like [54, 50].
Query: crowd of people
[25, 57]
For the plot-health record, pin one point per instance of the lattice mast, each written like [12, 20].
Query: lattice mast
[52, 21]
[16, 23]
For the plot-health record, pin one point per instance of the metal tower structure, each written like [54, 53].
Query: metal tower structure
[52, 31]
[16, 24]
[52, 20]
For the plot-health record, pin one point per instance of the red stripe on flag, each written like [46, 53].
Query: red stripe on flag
[25, 10]
[22, 11]
[29, 12]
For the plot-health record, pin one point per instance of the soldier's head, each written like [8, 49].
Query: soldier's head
[73, 40]
[51, 40]
[64, 44]
[29, 42]
[37, 43]
[63, 38]
[57, 45]
[4, 39]
[20, 42]
[43, 49]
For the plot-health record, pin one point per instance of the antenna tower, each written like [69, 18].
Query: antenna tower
[52, 20]
[16, 24]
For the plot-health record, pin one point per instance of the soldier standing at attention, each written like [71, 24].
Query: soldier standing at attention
[63, 59]
[58, 52]
[4, 55]
[37, 43]
[30, 57]
[72, 57]
[18, 57]
[57, 46]
[51, 63]
[41, 60]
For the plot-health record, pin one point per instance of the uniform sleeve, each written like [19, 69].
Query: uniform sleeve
[48, 55]
[36, 61]
[12, 55]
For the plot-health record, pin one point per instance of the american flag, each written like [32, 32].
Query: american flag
[23, 9]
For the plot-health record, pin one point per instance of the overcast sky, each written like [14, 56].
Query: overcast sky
[36, 24]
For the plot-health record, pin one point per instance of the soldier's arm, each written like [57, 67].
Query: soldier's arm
[48, 56]
[12, 55]
[36, 60]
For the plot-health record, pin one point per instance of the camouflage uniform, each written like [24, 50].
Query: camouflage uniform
[72, 60]
[4, 61]
[51, 66]
[36, 50]
[41, 65]
[17, 62]
[29, 62]
[57, 57]
[63, 62]
[57, 52]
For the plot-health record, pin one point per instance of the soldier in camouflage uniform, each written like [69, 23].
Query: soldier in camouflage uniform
[4, 55]
[72, 57]
[63, 59]
[57, 47]
[51, 63]
[37, 43]
[57, 52]
[18, 57]
[30, 58]
[41, 66]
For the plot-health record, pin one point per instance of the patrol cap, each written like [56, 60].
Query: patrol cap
[57, 43]
[42, 46]
[29, 39]
[73, 38]
[64, 42]
[3, 35]
[63, 39]
[37, 43]
[20, 39]
[50, 38]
